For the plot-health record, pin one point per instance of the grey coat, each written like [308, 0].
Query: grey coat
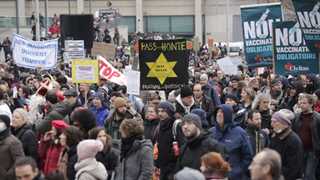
[90, 169]
[138, 165]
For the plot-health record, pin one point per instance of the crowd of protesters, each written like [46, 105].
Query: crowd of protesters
[218, 127]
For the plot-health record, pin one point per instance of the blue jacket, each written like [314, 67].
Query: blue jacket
[101, 114]
[237, 144]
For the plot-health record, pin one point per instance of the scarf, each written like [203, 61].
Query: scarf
[126, 145]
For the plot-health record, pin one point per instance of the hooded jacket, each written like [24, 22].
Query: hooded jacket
[138, 163]
[236, 142]
[181, 109]
[101, 114]
[90, 169]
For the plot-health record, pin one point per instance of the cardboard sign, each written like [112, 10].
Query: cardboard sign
[85, 71]
[103, 49]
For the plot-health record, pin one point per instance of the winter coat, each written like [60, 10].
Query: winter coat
[164, 138]
[90, 169]
[263, 140]
[192, 150]
[265, 119]
[315, 130]
[114, 120]
[138, 163]
[290, 148]
[10, 150]
[101, 114]
[27, 136]
[236, 142]
[206, 104]
[212, 94]
[149, 128]
[49, 155]
[181, 109]
[110, 159]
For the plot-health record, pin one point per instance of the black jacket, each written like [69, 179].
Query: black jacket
[263, 139]
[110, 160]
[207, 105]
[192, 151]
[72, 160]
[149, 128]
[29, 141]
[265, 119]
[289, 146]
[315, 130]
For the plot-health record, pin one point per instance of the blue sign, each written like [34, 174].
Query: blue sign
[291, 54]
[308, 16]
[257, 23]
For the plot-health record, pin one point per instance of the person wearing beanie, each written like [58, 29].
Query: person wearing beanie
[203, 116]
[198, 143]
[236, 141]
[287, 143]
[136, 157]
[87, 167]
[99, 109]
[204, 102]
[166, 135]
[184, 103]
[10, 149]
[189, 174]
[121, 110]
[307, 126]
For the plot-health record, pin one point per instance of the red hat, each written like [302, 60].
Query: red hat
[59, 124]
[59, 95]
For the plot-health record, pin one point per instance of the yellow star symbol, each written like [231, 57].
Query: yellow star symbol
[161, 69]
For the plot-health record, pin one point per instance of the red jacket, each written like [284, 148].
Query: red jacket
[49, 155]
[317, 107]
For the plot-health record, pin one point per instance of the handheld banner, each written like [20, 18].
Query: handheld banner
[34, 54]
[257, 32]
[308, 16]
[163, 64]
[291, 55]
[108, 72]
[85, 71]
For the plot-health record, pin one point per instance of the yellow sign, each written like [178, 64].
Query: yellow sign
[161, 69]
[85, 71]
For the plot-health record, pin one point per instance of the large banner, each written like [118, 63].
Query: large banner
[308, 16]
[163, 64]
[257, 32]
[34, 54]
[291, 55]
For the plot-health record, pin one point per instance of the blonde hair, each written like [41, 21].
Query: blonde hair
[24, 114]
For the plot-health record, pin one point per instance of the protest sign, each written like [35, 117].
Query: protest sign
[291, 55]
[108, 72]
[103, 49]
[34, 54]
[74, 49]
[257, 32]
[133, 77]
[308, 16]
[163, 64]
[85, 71]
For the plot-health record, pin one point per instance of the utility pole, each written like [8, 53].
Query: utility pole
[46, 16]
[17, 18]
[37, 21]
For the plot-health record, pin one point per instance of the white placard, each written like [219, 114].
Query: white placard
[133, 82]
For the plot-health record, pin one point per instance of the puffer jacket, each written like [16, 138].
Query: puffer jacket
[237, 144]
[90, 169]
[138, 164]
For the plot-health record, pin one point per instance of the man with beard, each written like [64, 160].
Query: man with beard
[166, 142]
[276, 90]
[258, 138]
[198, 143]
[121, 110]
[184, 103]
[202, 101]
[288, 144]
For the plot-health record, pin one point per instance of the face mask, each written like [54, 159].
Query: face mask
[3, 127]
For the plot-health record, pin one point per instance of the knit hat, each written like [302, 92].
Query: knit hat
[5, 119]
[192, 118]
[119, 102]
[168, 107]
[204, 77]
[89, 148]
[186, 91]
[231, 96]
[189, 174]
[59, 124]
[283, 116]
